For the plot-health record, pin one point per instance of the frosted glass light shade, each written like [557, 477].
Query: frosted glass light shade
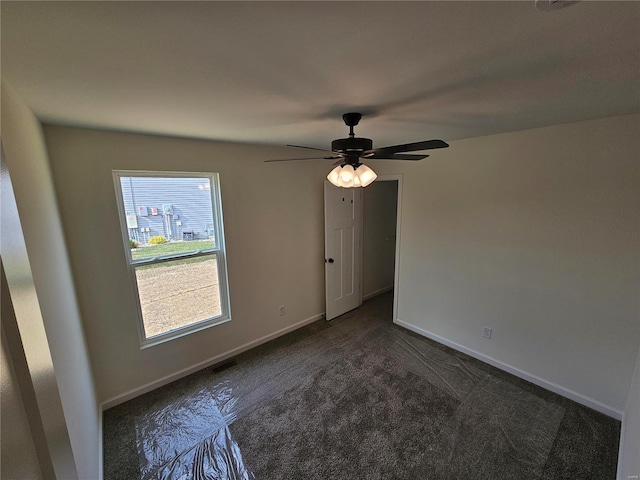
[347, 177]
[334, 175]
[365, 175]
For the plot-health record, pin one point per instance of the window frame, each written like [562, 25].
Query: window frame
[218, 251]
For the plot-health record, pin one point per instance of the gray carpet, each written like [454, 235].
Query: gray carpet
[356, 398]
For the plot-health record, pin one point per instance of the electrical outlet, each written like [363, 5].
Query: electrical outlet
[282, 310]
[487, 332]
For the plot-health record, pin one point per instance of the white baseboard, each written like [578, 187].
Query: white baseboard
[377, 292]
[100, 445]
[621, 450]
[541, 382]
[136, 392]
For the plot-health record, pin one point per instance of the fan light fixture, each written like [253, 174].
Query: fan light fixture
[350, 176]
[349, 172]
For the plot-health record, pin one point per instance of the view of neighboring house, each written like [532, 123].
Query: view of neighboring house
[176, 208]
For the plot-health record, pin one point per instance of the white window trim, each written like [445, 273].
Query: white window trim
[219, 251]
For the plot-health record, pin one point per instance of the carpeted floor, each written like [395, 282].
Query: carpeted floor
[356, 398]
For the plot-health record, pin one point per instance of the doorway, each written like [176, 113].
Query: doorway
[361, 243]
[381, 204]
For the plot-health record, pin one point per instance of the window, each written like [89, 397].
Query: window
[173, 235]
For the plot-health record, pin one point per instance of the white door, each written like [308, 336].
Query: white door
[342, 248]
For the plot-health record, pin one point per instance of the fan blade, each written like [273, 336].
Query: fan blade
[397, 156]
[310, 148]
[408, 147]
[298, 159]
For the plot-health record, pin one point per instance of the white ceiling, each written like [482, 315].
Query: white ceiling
[284, 72]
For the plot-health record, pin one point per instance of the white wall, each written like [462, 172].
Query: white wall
[18, 452]
[630, 441]
[532, 233]
[273, 215]
[35, 259]
[380, 202]
[536, 235]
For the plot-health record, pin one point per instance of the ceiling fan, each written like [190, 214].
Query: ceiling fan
[350, 172]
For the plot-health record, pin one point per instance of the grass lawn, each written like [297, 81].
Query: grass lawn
[169, 248]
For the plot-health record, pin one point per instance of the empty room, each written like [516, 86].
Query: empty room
[320, 240]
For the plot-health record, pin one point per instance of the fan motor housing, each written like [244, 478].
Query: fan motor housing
[351, 144]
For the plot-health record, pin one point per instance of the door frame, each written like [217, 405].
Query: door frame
[396, 274]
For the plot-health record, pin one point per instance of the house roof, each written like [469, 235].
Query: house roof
[284, 72]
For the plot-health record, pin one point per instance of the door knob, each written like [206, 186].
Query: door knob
[331, 260]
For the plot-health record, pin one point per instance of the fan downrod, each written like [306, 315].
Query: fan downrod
[352, 146]
[351, 120]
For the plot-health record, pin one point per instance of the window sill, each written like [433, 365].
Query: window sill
[182, 332]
